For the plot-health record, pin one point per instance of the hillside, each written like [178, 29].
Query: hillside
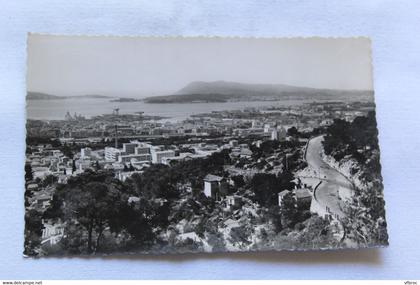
[192, 98]
[225, 87]
[222, 91]
[43, 96]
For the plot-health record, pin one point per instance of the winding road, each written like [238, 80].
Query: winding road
[334, 187]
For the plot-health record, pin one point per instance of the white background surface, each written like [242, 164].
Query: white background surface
[394, 28]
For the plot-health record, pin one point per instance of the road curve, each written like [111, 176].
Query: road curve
[334, 187]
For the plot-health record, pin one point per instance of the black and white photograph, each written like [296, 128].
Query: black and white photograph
[168, 145]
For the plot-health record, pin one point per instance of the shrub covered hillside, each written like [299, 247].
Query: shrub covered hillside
[353, 148]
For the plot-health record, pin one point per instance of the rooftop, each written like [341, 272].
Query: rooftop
[283, 193]
[213, 178]
[302, 193]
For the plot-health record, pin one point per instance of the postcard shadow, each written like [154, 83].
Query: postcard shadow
[371, 256]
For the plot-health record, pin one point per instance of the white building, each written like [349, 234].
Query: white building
[112, 153]
[143, 148]
[85, 152]
[282, 194]
[213, 186]
[258, 143]
[303, 196]
[278, 133]
[255, 124]
[233, 201]
[129, 148]
[233, 143]
[182, 156]
[52, 233]
[157, 156]
[138, 157]
[82, 164]
[122, 176]
[281, 133]
[274, 135]
[267, 128]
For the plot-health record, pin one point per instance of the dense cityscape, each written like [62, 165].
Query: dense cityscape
[268, 178]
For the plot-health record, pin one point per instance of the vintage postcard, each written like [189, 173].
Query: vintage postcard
[138, 145]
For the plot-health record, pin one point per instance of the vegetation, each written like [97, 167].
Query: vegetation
[99, 217]
[28, 172]
[267, 186]
[33, 231]
[358, 141]
[188, 98]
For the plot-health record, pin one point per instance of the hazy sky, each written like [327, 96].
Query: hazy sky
[132, 66]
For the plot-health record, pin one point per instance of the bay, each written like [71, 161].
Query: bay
[88, 107]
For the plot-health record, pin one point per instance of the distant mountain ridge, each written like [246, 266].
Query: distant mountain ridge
[41, 96]
[227, 87]
[44, 96]
[223, 91]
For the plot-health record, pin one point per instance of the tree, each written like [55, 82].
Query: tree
[293, 132]
[48, 180]
[92, 209]
[158, 181]
[91, 200]
[265, 188]
[33, 231]
[28, 172]
[285, 180]
[187, 245]
[365, 220]
[94, 203]
[358, 141]
[266, 148]
[131, 168]
[240, 235]
[288, 211]
[317, 234]
[161, 214]
[55, 143]
[134, 220]
[216, 241]
[274, 214]
[74, 241]
[238, 180]
[67, 151]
